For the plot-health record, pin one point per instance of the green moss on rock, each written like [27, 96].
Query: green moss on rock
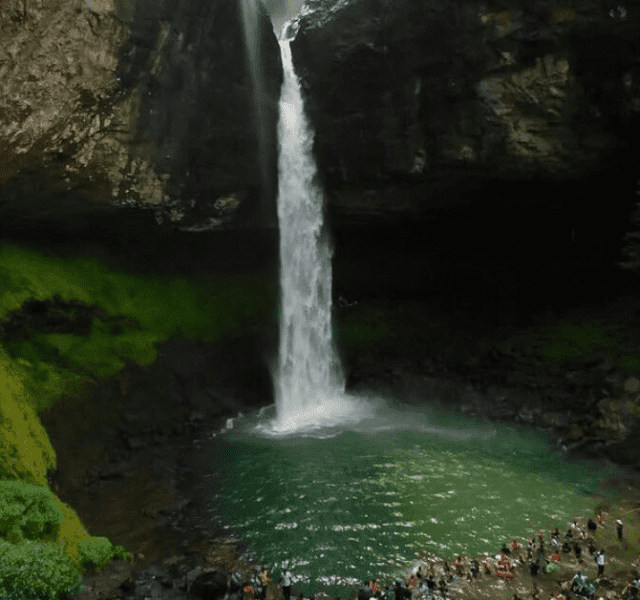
[25, 449]
[128, 315]
[95, 552]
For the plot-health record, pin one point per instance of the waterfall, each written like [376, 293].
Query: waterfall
[309, 378]
[250, 11]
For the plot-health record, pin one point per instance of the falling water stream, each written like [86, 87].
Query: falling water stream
[309, 381]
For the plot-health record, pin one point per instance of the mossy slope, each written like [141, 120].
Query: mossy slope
[96, 319]
[25, 447]
[132, 314]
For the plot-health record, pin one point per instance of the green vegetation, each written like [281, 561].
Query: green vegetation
[25, 449]
[581, 334]
[34, 570]
[557, 342]
[570, 340]
[107, 318]
[365, 328]
[138, 313]
[43, 544]
[95, 552]
[419, 329]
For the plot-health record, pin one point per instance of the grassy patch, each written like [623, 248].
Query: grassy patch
[563, 340]
[152, 309]
[577, 336]
[573, 340]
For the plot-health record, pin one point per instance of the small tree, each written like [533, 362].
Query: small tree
[35, 570]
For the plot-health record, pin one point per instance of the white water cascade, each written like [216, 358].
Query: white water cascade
[309, 382]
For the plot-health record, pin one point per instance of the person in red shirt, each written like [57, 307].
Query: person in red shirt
[504, 568]
[458, 565]
[375, 588]
[248, 592]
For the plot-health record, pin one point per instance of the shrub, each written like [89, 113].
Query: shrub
[95, 552]
[120, 552]
[26, 511]
[34, 570]
[29, 512]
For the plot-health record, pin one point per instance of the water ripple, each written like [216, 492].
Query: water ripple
[364, 497]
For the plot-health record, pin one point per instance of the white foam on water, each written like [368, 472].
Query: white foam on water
[344, 413]
[337, 411]
[332, 417]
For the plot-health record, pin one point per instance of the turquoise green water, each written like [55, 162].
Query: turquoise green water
[349, 503]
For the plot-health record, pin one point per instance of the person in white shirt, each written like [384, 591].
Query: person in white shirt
[600, 562]
[619, 528]
[286, 582]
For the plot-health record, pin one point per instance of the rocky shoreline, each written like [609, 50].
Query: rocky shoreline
[594, 420]
[130, 477]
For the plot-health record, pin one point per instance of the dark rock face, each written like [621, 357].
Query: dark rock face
[147, 104]
[55, 315]
[128, 467]
[207, 584]
[421, 103]
[200, 106]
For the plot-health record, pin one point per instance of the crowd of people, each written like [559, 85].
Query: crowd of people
[436, 579]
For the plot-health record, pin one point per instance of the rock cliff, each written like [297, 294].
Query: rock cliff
[135, 104]
[426, 103]
[417, 106]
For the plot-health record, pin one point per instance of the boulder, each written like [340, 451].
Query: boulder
[555, 419]
[206, 583]
[575, 433]
[632, 385]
